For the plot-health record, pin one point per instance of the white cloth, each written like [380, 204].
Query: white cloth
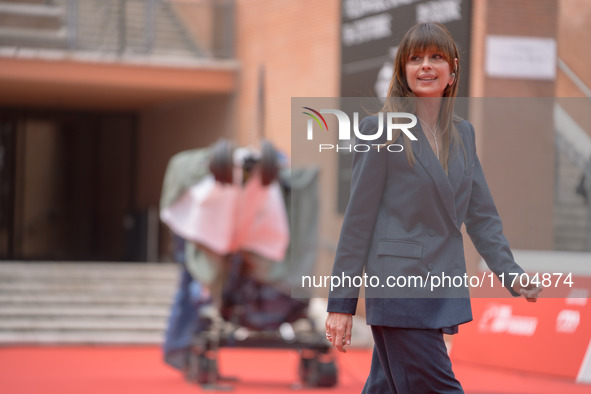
[228, 218]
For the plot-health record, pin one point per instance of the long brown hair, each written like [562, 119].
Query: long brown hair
[419, 38]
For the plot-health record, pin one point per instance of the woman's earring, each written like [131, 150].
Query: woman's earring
[453, 77]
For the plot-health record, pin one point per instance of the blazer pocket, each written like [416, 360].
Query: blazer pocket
[413, 250]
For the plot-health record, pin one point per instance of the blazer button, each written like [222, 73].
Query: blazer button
[430, 266]
[432, 232]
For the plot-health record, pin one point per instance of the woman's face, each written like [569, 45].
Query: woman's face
[428, 73]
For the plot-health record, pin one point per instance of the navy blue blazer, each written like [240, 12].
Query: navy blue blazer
[405, 220]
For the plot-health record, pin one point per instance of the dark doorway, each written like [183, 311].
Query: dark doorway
[67, 185]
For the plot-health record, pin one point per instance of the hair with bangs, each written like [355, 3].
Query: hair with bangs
[421, 37]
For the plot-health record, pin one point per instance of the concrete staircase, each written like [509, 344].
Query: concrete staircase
[85, 303]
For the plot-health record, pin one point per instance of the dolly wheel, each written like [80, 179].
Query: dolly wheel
[326, 374]
[314, 372]
[201, 369]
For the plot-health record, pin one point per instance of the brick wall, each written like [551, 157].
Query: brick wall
[297, 42]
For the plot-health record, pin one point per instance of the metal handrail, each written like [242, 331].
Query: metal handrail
[574, 78]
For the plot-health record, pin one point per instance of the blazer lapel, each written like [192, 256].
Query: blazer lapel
[456, 168]
[426, 157]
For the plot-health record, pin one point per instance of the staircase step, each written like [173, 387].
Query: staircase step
[38, 2]
[81, 338]
[84, 299]
[123, 289]
[33, 37]
[32, 10]
[65, 311]
[71, 324]
[168, 270]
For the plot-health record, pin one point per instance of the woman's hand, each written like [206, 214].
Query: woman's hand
[530, 292]
[338, 329]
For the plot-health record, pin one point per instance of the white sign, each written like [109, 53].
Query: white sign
[441, 11]
[521, 57]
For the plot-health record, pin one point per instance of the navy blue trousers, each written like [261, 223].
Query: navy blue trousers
[406, 361]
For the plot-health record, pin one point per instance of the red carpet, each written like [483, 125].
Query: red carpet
[128, 370]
